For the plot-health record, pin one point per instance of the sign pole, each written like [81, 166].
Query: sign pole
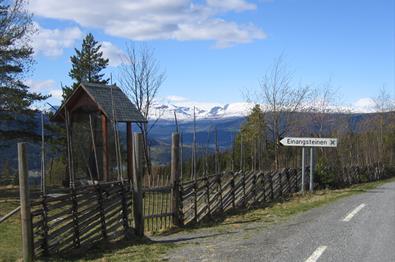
[311, 170]
[303, 168]
[309, 142]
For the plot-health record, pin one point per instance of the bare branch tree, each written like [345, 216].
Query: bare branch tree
[325, 103]
[140, 78]
[281, 100]
[382, 104]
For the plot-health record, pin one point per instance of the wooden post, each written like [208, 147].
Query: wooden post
[138, 173]
[263, 185]
[243, 184]
[101, 211]
[74, 213]
[232, 188]
[195, 207]
[129, 138]
[26, 219]
[207, 180]
[106, 164]
[280, 178]
[219, 181]
[175, 181]
[125, 213]
[271, 186]
[254, 186]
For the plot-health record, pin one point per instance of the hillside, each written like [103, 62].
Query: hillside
[227, 127]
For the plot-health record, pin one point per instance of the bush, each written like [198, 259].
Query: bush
[325, 176]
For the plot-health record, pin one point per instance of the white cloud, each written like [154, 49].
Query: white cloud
[157, 19]
[56, 94]
[176, 98]
[51, 42]
[46, 87]
[113, 53]
[236, 5]
[40, 86]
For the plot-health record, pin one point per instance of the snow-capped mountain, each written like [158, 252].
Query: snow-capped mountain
[202, 111]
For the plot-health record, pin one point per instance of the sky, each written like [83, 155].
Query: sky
[213, 50]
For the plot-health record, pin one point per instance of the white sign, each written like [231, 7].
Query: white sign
[309, 142]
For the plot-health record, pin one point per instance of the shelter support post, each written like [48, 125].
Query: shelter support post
[106, 164]
[129, 138]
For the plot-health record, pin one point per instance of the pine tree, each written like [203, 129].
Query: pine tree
[16, 59]
[87, 65]
[253, 138]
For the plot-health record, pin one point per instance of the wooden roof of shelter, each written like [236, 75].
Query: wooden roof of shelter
[100, 97]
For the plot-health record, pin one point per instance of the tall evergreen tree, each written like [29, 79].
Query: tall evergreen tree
[16, 59]
[87, 65]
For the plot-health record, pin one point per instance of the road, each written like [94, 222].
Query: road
[357, 228]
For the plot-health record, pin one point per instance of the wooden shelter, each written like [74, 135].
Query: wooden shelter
[97, 106]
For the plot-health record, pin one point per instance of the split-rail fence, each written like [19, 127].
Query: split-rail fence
[81, 217]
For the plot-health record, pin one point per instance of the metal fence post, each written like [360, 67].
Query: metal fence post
[26, 219]
[303, 170]
[311, 186]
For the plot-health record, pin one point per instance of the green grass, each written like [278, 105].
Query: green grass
[146, 250]
[10, 233]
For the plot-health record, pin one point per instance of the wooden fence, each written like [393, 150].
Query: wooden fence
[81, 217]
[157, 207]
[207, 196]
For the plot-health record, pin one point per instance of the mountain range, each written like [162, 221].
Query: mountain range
[226, 119]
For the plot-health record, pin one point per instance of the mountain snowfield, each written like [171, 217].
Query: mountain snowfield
[184, 109]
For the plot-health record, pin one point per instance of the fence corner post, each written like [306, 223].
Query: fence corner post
[138, 172]
[26, 219]
[175, 181]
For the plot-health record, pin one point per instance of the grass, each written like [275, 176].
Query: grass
[279, 211]
[10, 234]
[147, 250]
[142, 250]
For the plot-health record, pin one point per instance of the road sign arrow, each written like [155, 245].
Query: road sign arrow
[309, 142]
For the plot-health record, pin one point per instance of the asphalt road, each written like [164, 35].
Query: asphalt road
[356, 228]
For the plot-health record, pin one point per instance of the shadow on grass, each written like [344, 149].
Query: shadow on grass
[137, 247]
[221, 219]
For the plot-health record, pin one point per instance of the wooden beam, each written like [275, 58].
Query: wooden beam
[129, 138]
[138, 173]
[26, 219]
[106, 164]
[175, 181]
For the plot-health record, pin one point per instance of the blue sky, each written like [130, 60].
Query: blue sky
[213, 50]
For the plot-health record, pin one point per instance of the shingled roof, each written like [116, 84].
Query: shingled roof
[107, 98]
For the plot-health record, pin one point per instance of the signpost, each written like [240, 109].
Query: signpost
[310, 142]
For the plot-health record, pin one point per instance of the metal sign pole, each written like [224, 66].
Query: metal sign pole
[311, 170]
[303, 168]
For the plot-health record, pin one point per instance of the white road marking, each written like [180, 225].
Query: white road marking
[353, 213]
[316, 254]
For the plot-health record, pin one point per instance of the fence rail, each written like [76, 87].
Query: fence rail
[80, 217]
[209, 196]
